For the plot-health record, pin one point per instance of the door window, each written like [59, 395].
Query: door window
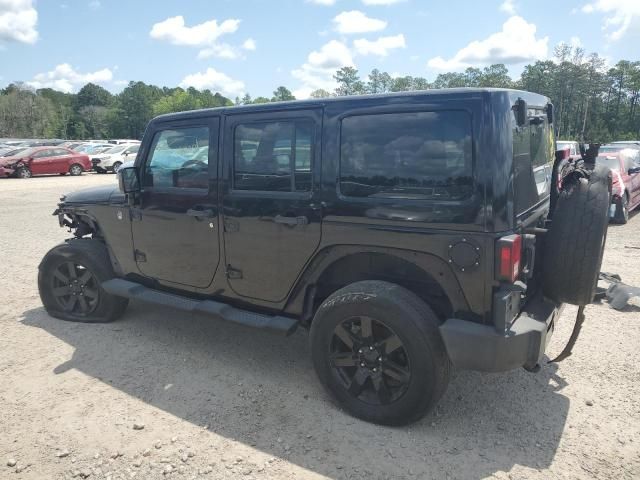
[179, 158]
[44, 154]
[273, 156]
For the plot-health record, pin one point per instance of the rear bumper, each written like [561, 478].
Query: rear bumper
[472, 346]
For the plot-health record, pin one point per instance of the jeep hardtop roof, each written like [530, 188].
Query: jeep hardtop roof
[533, 99]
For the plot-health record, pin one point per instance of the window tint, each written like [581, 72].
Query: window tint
[179, 158]
[422, 155]
[43, 154]
[60, 151]
[274, 156]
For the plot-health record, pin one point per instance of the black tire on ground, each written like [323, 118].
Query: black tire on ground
[575, 241]
[116, 167]
[373, 324]
[69, 279]
[621, 214]
[23, 172]
[76, 169]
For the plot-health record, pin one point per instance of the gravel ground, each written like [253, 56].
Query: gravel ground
[158, 395]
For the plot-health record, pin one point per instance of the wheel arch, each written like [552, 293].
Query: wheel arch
[426, 275]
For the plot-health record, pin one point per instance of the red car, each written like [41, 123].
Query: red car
[44, 160]
[625, 166]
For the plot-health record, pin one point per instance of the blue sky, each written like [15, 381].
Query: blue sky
[256, 45]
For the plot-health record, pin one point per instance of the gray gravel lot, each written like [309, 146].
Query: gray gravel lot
[214, 400]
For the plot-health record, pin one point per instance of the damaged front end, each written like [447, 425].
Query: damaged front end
[75, 220]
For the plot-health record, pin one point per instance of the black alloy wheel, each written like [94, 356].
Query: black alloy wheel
[75, 288]
[370, 360]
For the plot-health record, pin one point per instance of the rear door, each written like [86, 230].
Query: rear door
[270, 206]
[175, 222]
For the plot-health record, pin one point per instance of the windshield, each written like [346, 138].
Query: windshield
[562, 145]
[11, 153]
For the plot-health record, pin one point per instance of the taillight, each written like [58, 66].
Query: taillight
[509, 257]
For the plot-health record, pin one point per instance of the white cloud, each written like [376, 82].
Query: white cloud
[326, 3]
[66, 79]
[320, 67]
[249, 44]
[204, 35]
[381, 2]
[215, 81]
[94, 4]
[380, 47]
[515, 43]
[18, 21]
[357, 22]
[508, 7]
[621, 16]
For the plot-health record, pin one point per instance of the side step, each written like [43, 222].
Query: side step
[125, 288]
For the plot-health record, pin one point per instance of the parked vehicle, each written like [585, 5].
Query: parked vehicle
[123, 140]
[110, 160]
[625, 165]
[44, 160]
[403, 230]
[574, 148]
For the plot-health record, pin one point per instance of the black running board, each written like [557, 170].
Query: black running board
[135, 291]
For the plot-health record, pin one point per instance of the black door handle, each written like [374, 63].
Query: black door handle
[207, 212]
[302, 220]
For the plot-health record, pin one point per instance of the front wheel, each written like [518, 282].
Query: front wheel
[69, 281]
[376, 348]
[76, 170]
[116, 166]
[23, 172]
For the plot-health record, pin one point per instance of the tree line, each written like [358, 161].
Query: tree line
[592, 102]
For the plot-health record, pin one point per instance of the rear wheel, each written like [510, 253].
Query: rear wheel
[69, 280]
[376, 348]
[76, 170]
[116, 166]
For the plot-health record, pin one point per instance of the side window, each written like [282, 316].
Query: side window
[58, 152]
[273, 156]
[43, 154]
[418, 155]
[179, 158]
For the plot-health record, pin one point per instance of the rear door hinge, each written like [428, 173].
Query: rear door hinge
[233, 273]
[139, 256]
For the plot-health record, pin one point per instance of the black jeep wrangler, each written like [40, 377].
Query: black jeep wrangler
[408, 232]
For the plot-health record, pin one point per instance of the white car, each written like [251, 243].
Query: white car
[112, 159]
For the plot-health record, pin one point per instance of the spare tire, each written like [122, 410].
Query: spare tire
[574, 243]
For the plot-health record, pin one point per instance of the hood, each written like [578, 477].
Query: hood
[103, 194]
[4, 161]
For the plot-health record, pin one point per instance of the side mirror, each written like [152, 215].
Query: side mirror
[521, 112]
[128, 180]
[633, 170]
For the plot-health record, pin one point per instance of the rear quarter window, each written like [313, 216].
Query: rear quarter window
[412, 155]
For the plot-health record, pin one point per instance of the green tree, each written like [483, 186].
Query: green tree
[320, 93]
[349, 82]
[282, 94]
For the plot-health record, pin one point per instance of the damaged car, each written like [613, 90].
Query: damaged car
[408, 233]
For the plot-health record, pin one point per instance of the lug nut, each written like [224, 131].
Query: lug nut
[360, 351]
[362, 364]
[370, 348]
[375, 369]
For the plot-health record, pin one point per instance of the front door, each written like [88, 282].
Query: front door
[271, 211]
[41, 163]
[175, 223]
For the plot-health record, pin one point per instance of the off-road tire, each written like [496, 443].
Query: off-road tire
[412, 320]
[575, 241]
[93, 256]
[76, 169]
[621, 215]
